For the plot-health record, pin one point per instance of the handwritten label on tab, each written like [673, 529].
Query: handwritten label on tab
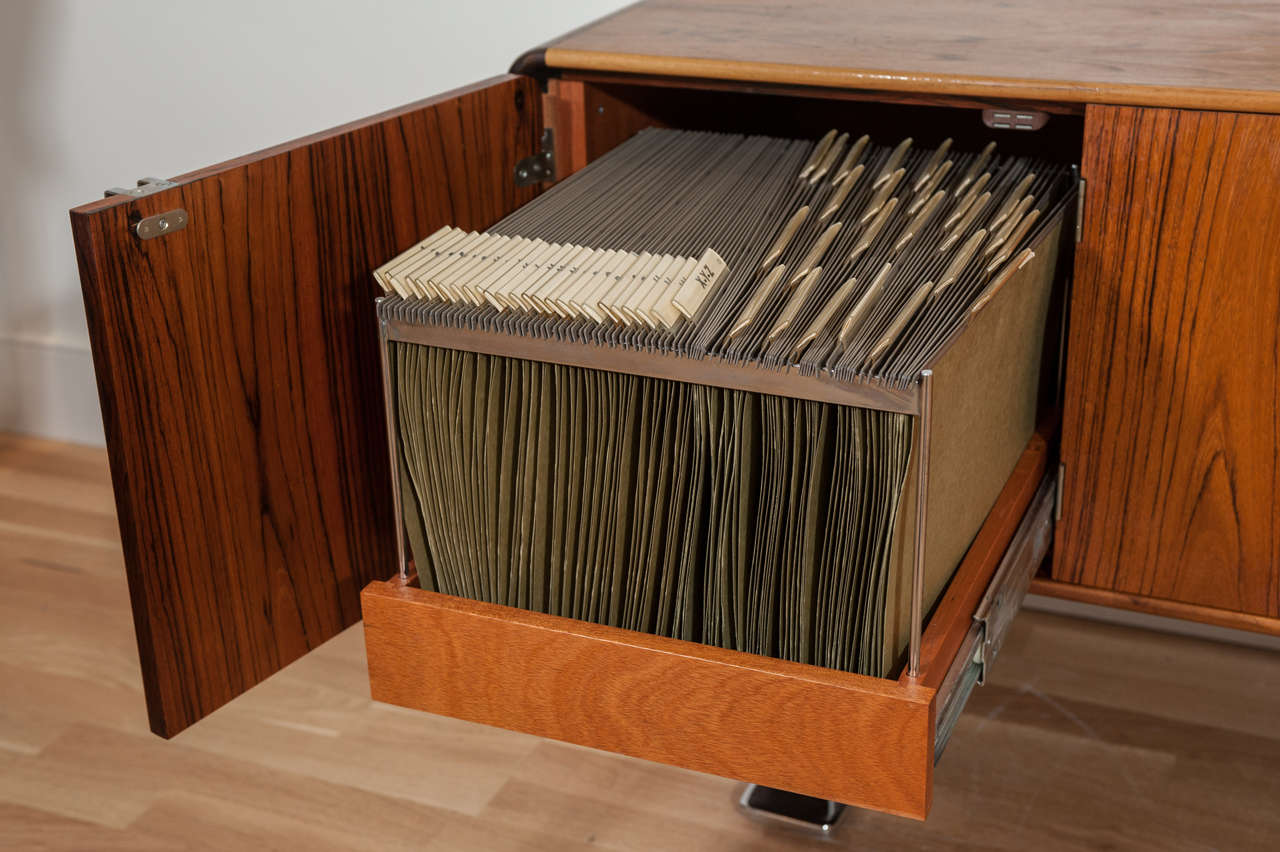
[696, 287]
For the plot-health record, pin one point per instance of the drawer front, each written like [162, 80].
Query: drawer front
[862, 740]
[753, 718]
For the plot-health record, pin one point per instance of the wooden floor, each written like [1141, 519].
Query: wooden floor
[1090, 736]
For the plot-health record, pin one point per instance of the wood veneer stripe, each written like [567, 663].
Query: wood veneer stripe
[1156, 606]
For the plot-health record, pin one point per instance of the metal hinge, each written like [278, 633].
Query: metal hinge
[1057, 496]
[539, 167]
[146, 186]
[1079, 205]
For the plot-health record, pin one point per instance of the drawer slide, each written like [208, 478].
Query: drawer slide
[996, 612]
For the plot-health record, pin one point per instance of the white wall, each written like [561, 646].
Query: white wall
[97, 94]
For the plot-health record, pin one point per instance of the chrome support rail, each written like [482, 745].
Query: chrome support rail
[393, 446]
[924, 426]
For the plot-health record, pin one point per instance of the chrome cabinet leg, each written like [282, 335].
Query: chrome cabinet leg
[778, 807]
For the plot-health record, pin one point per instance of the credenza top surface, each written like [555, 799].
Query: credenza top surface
[1178, 53]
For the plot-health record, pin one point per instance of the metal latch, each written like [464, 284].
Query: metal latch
[1080, 185]
[146, 186]
[1014, 119]
[1057, 499]
[539, 167]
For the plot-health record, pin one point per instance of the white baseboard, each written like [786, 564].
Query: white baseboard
[47, 388]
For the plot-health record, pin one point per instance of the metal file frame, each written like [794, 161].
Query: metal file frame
[917, 401]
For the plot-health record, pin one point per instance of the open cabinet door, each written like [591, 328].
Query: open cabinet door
[237, 364]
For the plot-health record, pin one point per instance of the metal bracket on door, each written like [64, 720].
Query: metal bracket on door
[1080, 188]
[539, 167]
[146, 186]
[150, 227]
[160, 224]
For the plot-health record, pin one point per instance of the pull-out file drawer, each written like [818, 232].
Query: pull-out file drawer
[867, 741]
[255, 503]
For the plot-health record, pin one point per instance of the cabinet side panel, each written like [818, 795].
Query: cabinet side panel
[1172, 410]
[237, 364]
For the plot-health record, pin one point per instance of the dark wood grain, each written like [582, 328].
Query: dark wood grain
[591, 120]
[863, 740]
[612, 115]
[237, 366]
[1182, 53]
[562, 104]
[1172, 410]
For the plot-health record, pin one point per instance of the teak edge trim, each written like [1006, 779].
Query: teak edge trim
[1156, 606]
[1237, 100]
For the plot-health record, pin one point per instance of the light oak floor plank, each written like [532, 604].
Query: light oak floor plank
[1088, 736]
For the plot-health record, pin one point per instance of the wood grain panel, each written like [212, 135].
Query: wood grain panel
[857, 739]
[1182, 53]
[1172, 409]
[592, 120]
[613, 115]
[237, 366]
[614, 107]
[564, 109]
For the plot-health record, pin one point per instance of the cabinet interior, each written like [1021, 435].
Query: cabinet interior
[606, 113]
[590, 117]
